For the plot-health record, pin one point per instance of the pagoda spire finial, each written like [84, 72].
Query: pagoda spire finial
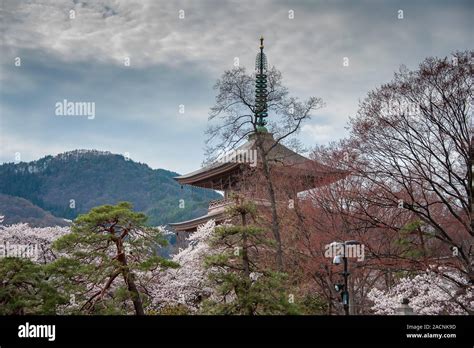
[261, 90]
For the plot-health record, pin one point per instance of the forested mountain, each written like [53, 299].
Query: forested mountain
[73, 182]
[15, 210]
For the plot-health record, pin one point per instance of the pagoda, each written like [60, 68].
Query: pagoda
[227, 175]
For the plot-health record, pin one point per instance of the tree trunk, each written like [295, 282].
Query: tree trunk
[273, 207]
[129, 280]
[245, 256]
[246, 263]
[470, 186]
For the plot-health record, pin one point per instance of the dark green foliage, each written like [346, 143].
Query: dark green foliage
[413, 238]
[93, 178]
[241, 272]
[110, 249]
[16, 210]
[178, 309]
[266, 295]
[313, 304]
[26, 289]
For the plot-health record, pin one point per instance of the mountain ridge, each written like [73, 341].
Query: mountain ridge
[19, 210]
[73, 182]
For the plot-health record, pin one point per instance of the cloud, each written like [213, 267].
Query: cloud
[321, 134]
[176, 61]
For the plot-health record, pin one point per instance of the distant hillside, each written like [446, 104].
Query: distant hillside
[73, 182]
[17, 210]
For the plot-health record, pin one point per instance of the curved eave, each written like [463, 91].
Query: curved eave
[203, 178]
[190, 225]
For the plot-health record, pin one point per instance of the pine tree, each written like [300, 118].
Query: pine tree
[108, 257]
[25, 289]
[244, 284]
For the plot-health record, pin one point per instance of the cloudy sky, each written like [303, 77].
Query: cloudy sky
[53, 50]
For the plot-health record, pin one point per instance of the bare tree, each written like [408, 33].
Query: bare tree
[234, 117]
[412, 139]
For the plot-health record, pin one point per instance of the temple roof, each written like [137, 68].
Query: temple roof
[191, 225]
[246, 154]
[299, 172]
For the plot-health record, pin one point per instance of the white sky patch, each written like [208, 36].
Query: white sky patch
[319, 134]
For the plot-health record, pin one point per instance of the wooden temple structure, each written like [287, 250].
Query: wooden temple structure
[227, 175]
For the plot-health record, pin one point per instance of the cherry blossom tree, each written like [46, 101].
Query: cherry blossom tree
[186, 285]
[429, 293]
[22, 240]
